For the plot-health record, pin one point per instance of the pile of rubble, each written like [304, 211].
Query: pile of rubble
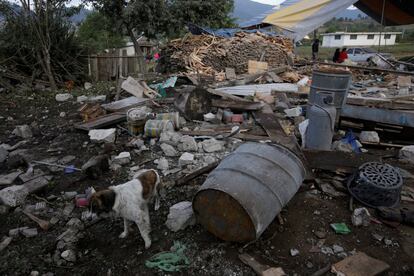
[186, 131]
[210, 55]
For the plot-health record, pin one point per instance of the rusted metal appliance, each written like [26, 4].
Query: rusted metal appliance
[243, 195]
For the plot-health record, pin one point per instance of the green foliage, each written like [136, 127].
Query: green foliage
[39, 41]
[96, 34]
[165, 18]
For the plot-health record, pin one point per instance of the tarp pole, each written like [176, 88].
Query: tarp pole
[382, 25]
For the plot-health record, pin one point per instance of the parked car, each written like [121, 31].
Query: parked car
[363, 54]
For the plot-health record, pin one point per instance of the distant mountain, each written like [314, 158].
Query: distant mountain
[245, 10]
[351, 14]
[79, 17]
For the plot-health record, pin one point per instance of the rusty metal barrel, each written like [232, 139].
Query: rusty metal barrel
[244, 194]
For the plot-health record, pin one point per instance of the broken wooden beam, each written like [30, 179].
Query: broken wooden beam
[102, 122]
[334, 161]
[196, 173]
[380, 103]
[260, 269]
[375, 69]
[237, 105]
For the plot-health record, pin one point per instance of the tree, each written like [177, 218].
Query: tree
[38, 39]
[163, 18]
[97, 33]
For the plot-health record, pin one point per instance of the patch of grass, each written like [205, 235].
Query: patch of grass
[399, 50]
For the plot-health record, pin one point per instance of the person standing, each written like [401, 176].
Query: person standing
[336, 55]
[343, 56]
[315, 49]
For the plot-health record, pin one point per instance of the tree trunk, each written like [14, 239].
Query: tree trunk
[48, 68]
[138, 51]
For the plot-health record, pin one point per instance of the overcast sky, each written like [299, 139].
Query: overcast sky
[269, 2]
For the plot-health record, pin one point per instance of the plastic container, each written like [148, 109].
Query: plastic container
[247, 190]
[321, 128]
[154, 128]
[173, 116]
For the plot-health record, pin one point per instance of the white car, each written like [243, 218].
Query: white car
[363, 54]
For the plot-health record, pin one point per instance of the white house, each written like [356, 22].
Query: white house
[340, 39]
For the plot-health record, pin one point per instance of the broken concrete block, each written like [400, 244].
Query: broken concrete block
[169, 150]
[186, 159]
[69, 255]
[181, 215]
[3, 154]
[369, 137]
[123, 158]
[103, 135]
[187, 143]
[294, 112]
[87, 85]
[5, 242]
[13, 196]
[407, 153]
[337, 249]
[133, 87]
[16, 195]
[8, 179]
[162, 164]
[170, 137]
[23, 131]
[294, 252]
[29, 232]
[16, 231]
[209, 117]
[63, 97]
[361, 216]
[359, 264]
[75, 223]
[82, 98]
[96, 166]
[212, 145]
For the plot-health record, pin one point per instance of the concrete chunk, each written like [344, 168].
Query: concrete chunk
[212, 145]
[123, 158]
[8, 179]
[186, 159]
[188, 143]
[369, 137]
[169, 150]
[23, 131]
[29, 232]
[103, 135]
[407, 153]
[181, 215]
[63, 97]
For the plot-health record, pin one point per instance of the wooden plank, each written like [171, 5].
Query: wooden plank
[238, 105]
[382, 145]
[226, 96]
[102, 122]
[334, 161]
[124, 104]
[255, 67]
[197, 173]
[360, 264]
[375, 69]
[260, 269]
[274, 130]
[381, 103]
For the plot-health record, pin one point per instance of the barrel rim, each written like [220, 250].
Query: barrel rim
[332, 73]
[249, 215]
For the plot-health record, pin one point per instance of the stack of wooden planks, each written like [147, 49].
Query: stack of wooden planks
[210, 55]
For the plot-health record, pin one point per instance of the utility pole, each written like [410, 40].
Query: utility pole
[382, 25]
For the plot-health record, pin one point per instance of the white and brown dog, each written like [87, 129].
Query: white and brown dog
[130, 201]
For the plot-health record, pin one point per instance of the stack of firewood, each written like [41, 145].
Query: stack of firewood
[210, 55]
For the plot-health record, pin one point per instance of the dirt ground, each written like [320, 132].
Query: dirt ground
[101, 252]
